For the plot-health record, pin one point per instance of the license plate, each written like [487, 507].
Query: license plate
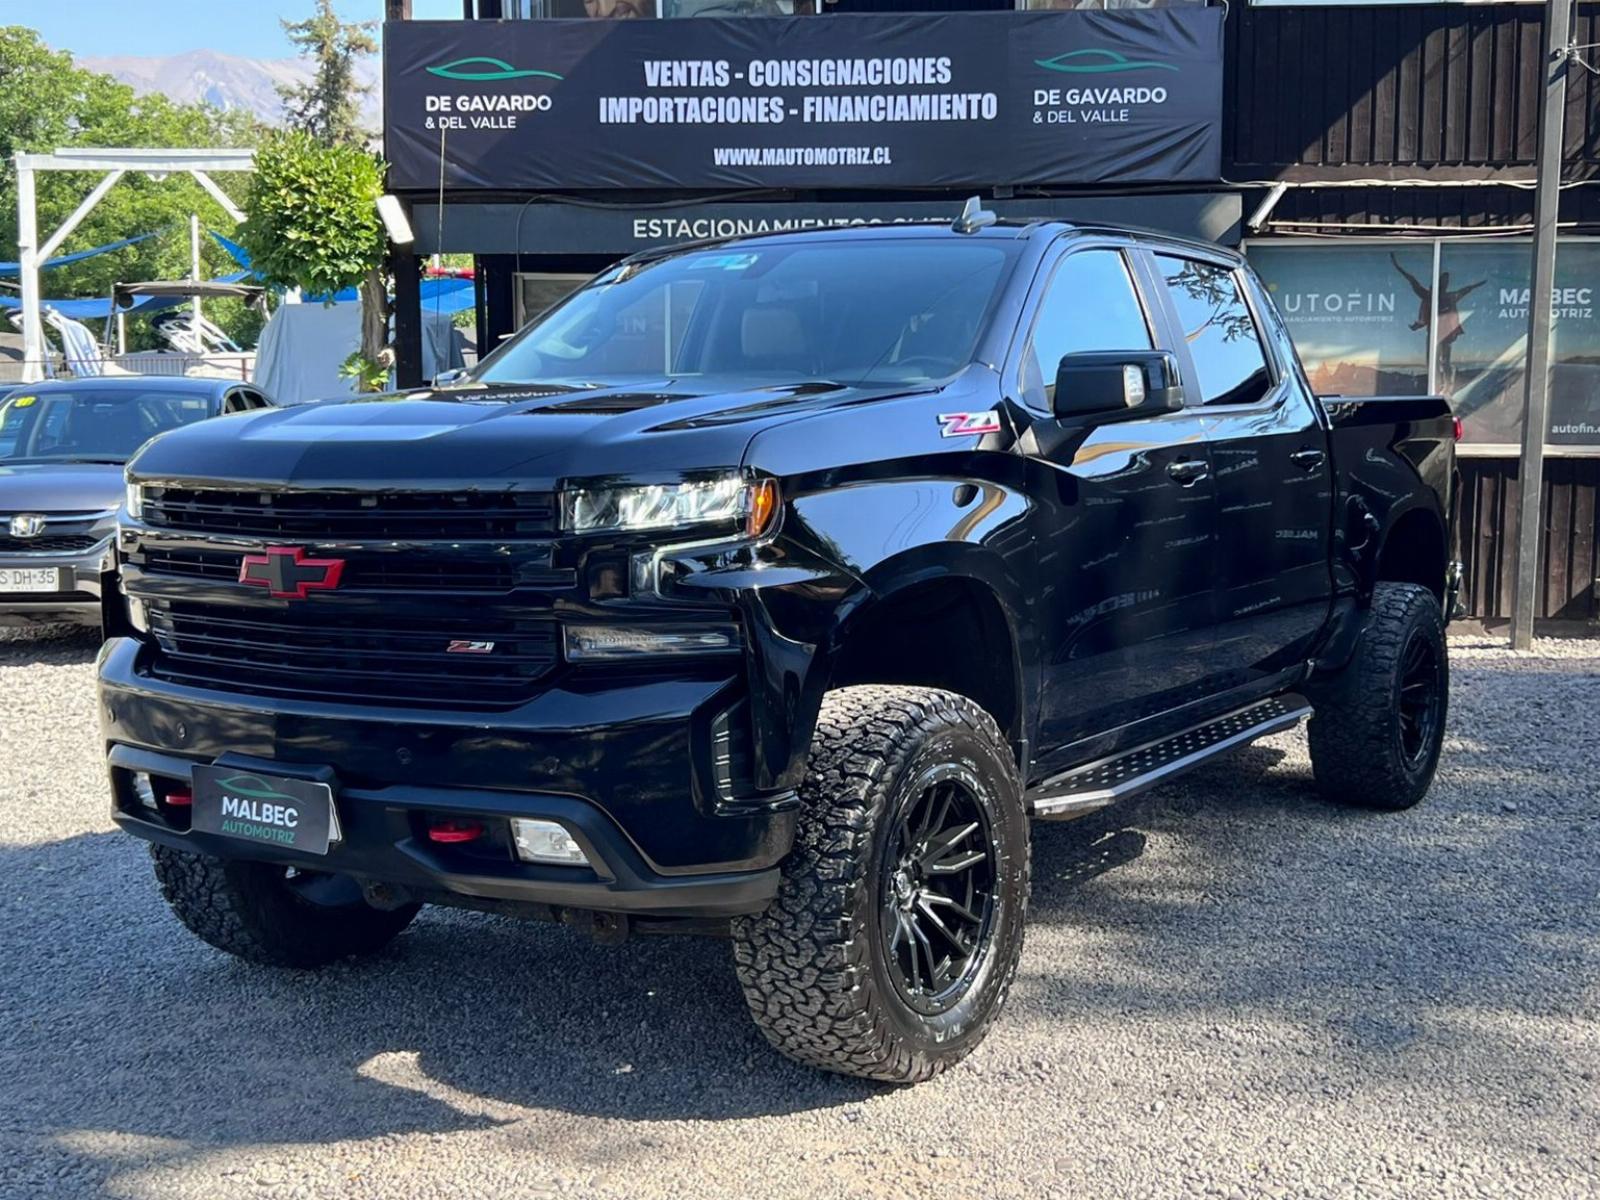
[270, 810]
[30, 579]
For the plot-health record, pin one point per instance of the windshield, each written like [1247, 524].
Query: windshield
[857, 312]
[91, 425]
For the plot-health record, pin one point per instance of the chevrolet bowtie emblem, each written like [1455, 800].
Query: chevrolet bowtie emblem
[288, 574]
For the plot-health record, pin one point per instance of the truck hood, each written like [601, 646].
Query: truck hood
[476, 435]
[59, 487]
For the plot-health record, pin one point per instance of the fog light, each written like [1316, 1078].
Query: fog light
[546, 842]
[143, 789]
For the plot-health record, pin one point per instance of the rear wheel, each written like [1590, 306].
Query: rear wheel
[1379, 724]
[273, 915]
[897, 927]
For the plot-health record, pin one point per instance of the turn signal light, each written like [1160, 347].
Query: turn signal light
[763, 507]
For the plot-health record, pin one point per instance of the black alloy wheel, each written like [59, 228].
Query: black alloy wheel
[1421, 696]
[897, 928]
[1379, 724]
[937, 891]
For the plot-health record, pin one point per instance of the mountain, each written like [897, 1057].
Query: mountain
[226, 80]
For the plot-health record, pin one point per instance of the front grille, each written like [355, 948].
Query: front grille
[58, 543]
[378, 572]
[356, 657]
[352, 516]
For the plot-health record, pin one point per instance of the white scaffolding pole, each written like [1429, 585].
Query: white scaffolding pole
[113, 165]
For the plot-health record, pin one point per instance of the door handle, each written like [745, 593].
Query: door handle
[1188, 471]
[1307, 458]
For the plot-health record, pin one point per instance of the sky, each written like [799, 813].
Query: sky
[249, 28]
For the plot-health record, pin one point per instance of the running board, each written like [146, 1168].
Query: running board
[1107, 780]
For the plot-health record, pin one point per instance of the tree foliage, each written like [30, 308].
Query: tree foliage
[329, 106]
[313, 219]
[49, 103]
[313, 224]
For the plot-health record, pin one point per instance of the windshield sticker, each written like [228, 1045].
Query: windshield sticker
[24, 401]
[721, 262]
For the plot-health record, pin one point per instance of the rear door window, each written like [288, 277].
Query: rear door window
[1229, 362]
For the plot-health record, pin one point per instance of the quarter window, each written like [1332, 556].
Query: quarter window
[1216, 322]
[1090, 304]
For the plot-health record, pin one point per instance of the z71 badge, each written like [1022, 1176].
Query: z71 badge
[969, 424]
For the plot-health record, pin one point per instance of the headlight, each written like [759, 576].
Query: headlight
[135, 500]
[730, 501]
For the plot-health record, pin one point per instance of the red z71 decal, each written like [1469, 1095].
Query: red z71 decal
[969, 424]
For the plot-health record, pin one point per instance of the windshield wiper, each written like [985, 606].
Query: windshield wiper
[111, 462]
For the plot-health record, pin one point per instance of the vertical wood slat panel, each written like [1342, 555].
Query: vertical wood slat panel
[1397, 85]
[1557, 556]
[1490, 500]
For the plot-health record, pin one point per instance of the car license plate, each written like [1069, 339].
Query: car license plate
[271, 810]
[30, 579]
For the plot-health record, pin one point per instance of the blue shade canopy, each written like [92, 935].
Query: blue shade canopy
[14, 268]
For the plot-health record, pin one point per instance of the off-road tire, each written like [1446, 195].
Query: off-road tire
[247, 909]
[1358, 752]
[813, 966]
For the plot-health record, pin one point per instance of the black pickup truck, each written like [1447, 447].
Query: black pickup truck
[772, 587]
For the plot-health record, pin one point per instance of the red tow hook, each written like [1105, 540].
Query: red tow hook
[450, 832]
[179, 799]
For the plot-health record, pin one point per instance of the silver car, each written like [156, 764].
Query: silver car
[63, 445]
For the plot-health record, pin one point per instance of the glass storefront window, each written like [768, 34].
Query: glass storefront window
[1445, 316]
[1359, 315]
[1482, 370]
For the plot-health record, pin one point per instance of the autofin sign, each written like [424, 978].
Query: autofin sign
[914, 100]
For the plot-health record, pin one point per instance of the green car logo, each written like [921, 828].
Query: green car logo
[1098, 62]
[254, 787]
[479, 69]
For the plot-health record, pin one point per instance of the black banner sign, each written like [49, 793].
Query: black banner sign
[844, 101]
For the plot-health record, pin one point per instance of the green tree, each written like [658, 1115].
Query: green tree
[49, 103]
[313, 224]
[329, 106]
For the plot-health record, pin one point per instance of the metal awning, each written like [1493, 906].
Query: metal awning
[123, 295]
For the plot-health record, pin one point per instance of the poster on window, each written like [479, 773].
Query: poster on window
[1483, 341]
[1364, 318]
[1359, 315]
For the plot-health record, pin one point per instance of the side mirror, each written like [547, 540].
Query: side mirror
[1117, 385]
[449, 378]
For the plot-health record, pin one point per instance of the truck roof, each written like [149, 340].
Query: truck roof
[931, 230]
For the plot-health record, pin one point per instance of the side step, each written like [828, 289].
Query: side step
[1107, 780]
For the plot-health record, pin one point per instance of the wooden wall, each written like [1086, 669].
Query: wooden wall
[1397, 90]
[1490, 507]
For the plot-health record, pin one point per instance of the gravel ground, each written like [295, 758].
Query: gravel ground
[1228, 989]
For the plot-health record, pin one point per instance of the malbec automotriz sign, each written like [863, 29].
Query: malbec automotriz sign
[848, 101]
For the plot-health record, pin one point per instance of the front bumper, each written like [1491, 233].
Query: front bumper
[622, 765]
[76, 602]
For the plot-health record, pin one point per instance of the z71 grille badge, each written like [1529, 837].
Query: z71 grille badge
[464, 647]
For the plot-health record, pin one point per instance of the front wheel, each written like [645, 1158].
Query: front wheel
[897, 927]
[1379, 724]
[273, 915]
